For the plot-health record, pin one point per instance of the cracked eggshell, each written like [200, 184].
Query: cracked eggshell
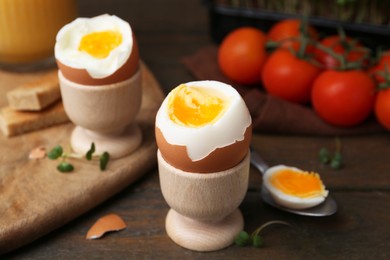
[81, 76]
[77, 71]
[212, 148]
[219, 160]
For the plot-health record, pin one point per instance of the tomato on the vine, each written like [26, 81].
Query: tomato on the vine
[286, 76]
[381, 68]
[242, 54]
[382, 108]
[352, 51]
[381, 73]
[288, 33]
[343, 98]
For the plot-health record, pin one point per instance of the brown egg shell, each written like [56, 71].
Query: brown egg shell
[218, 160]
[108, 223]
[81, 76]
[37, 153]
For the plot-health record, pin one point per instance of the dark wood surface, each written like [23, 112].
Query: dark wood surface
[167, 31]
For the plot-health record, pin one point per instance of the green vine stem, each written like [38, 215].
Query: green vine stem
[349, 46]
[386, 76]
[259, 229]
[303, 38]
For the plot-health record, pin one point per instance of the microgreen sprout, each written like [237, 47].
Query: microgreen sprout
[324, 155]
[336, 160]
[64, 166]
[55, 153]
[90, 152]
[244, 239]
[104, 158]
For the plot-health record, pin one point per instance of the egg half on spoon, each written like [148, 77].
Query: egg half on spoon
[294, 188]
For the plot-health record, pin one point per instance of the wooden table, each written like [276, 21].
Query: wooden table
[167, 31]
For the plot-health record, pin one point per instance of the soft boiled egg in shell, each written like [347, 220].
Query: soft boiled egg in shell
[97, 51]
[203, 127]
[294, 188]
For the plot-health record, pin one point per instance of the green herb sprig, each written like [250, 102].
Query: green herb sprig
[244, 239]
[335, 160]
[64, 166]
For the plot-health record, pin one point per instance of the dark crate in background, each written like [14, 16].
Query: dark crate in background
[372, 28]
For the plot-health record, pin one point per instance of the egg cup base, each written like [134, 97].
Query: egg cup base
[117, 146]
[203, 236]
[204, 213]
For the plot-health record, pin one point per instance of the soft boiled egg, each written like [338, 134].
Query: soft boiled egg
[294, 188]
[97, 51]
[203, 127]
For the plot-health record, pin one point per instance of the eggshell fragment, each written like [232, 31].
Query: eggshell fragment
[37, 153]
[108, 223]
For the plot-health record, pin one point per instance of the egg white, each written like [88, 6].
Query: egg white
[286, 200]
[201, 141]
[69, 37]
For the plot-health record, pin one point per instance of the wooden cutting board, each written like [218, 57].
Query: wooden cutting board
[35, 198]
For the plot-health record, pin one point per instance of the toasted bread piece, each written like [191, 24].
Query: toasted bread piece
[14, 122]
[35, 95]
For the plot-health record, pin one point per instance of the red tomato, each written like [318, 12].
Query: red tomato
[289, 77]
[379, 70]
[343, 98]
[352, 52]
[382, 108]
[288, 32]
[242, 54]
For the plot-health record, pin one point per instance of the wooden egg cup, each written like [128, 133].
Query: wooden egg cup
[204, 214]
[104, 115]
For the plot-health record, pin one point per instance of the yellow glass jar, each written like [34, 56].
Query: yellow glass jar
[28, 28]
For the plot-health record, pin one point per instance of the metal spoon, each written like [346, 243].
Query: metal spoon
[326, 208]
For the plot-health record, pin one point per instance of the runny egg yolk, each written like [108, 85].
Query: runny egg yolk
[195, 107]
[298, 183]
[100, 44]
